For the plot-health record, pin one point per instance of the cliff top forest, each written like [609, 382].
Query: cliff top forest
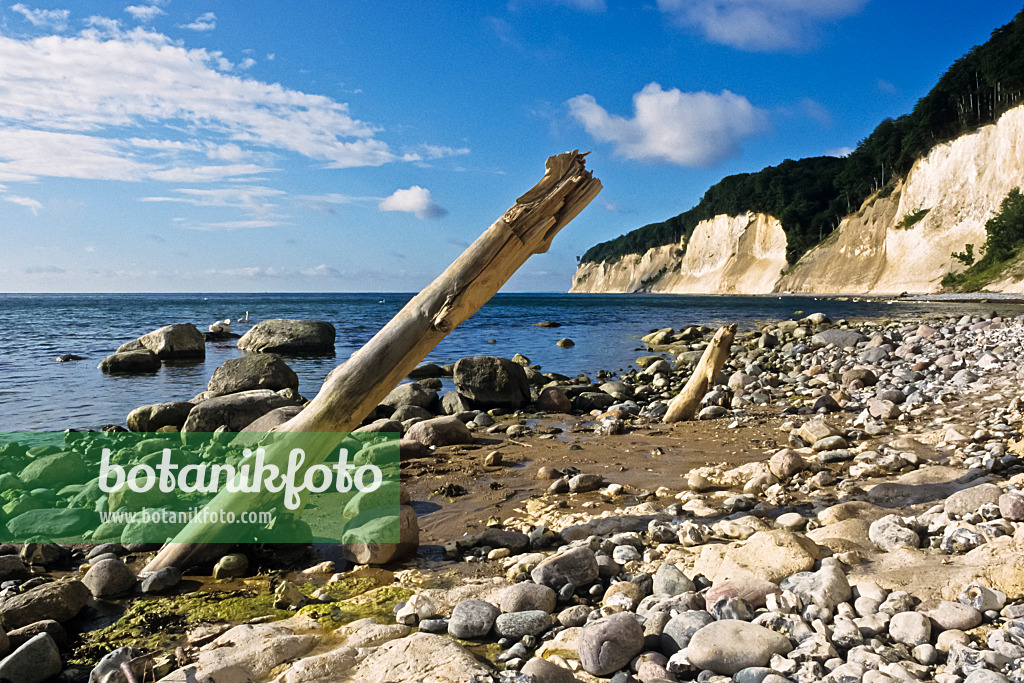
[810, 196]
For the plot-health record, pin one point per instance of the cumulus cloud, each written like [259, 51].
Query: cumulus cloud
[416, 200]
[669, 126]
[68, 102]
[759, 25]
[205, 22]
[54, 19]
[144, 13]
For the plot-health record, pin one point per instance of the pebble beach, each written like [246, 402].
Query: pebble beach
[847, 507]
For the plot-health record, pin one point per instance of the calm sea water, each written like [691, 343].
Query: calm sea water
[37, 393]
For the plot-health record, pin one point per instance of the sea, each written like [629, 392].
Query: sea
[39, 394]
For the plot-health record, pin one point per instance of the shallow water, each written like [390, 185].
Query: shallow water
[37, 393]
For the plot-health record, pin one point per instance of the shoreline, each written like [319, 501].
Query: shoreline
[793, 478]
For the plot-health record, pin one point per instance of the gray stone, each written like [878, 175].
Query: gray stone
[607, 645]
[544, 671]
[969, 500]
[235, 411]
[170, 342]
[946, 615]
[20, 636]
[472, 619]
[109, 579]
[889, 533]
[259, 371]
[574, 616]
[680, 629]
[785, 463]
[52, 523]
[150, 418]
[840, 338]
[130, 363]
[826, 587]
[60, 601]
[410, 394]
[108, 669]
[582, 483]
[34, 662]
[406, 660]
[526, 623]
[283, 335]
[1011, 506]
[526, 596]
[159, 581]
[12, 568]
[669, 580]
[910, 628]
[577, 566]
[446, 430]
[865, 376]
[54, 471]
[492, 382]
[726, 647]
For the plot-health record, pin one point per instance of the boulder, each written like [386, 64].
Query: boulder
[282, 335]
[235, 411]
[130, 362]
[446, 430]
[405, 660]
[410, 394]
[170, 342]
[840, 338]
[577, 566]
[554, 400]
[607, 645]
[59, 600]
[730, 645]
[152, 417]
[36, 661]
[767, 555]
[109, 579]
[277, 416]
[492, 382]
[54, 471]
[52, 523]
[260, 371]
[362, 547]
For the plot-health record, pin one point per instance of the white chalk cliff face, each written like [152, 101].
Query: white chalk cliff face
[726, 255]
[953, 191]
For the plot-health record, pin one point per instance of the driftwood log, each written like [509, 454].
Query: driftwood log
[687, 403]
[355, 388]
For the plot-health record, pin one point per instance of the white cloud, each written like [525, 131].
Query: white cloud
[234, 225]
[55, 19]
[247, 63]
[32, 204]
[585, 5]
[206, 22]
[68, 102]
[886, 86]
[144, 13]
[840, 152]
[759, 25]
[673, 127]
[416, 200]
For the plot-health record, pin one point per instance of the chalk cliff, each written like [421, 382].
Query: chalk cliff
[901, 242]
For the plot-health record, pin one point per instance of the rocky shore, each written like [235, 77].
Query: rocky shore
[849, 507]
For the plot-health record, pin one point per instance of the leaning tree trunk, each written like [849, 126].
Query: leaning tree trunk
[685, 405]
[355, 388]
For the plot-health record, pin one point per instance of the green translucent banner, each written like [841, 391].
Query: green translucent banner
[222, 487]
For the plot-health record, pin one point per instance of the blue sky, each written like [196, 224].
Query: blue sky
[177, 145]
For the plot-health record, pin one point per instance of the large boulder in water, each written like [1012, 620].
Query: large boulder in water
[289, 336]
[170, 342]
[261, 371]
[234, 410]
[130, 362]
[492, 382]
[152, 417]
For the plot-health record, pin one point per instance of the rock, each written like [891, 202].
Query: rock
[446, 430]
[768, 555]
[890, 532]
[410, 394]
[52, 523]
[68, 357]
[492, 382]
[108, 669]
[170, 342]
[785, 463]
[577, 566]
[12, 568]
[582, 483]
[680, 629]
[130, 362]
[669, 580]
[405, 660]
[553, 400]
[818, 428]
[1011, 506]
[235, 411]
[34, 662]
[526, 623]
[863, 375]
[289, 596]
[910, 628]
[281, 335]
[260, 371]
[60, 601]
[20, 636]
[525, 596]
[729, 646]
[150, 418]
[234, 565]
[360, 544]
[969, 500]
[838, 337]
[159, 581]
[607, 645]
[565, 343]
[426, 371]
[472, 619]
[266, 422]
[54, 471]
[109, 579]
[882, 409]
[946, 615]
[322, 668]
[544, 671]
[753, 591]
[826, 587]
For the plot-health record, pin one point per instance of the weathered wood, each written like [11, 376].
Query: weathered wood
[355, 388]
[685, 405]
